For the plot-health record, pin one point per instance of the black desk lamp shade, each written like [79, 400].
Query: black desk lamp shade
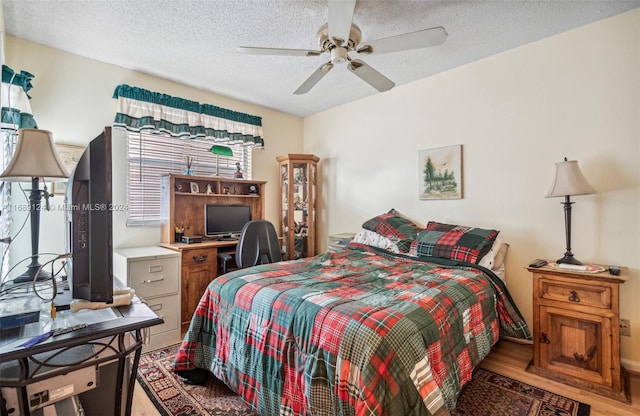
[35, 157]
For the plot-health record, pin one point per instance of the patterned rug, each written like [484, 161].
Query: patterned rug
[488, 394]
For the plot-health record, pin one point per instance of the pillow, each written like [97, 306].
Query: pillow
[455, 242]
[395, 227]
[373, 239]
[495, 256]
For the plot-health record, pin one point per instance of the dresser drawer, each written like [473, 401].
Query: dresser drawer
[575, 293]
[166, 307]
[155, 277]
[206, 257]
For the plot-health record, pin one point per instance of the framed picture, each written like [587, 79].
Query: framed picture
[69, 155]
[195, 189]
[440, 173]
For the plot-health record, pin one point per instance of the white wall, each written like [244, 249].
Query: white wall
[72, 97]
[516, 114]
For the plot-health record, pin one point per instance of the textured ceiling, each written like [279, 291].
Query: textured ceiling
[193, 42]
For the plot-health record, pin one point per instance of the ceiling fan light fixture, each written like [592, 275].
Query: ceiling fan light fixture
[339, 55]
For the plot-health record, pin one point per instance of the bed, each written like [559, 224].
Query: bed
[362, 330]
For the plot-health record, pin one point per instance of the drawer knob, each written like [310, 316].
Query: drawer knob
[153, 280]
[200, 259]
[574, 296]
[544, 339]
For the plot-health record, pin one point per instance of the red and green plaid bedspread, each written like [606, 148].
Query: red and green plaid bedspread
[354, 332]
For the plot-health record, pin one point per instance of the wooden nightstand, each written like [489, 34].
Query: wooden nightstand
[576, 335]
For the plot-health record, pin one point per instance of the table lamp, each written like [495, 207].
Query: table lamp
[35, 157]
[218, 150]
[568, 182]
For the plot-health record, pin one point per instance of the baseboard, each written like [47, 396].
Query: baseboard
[631, 366]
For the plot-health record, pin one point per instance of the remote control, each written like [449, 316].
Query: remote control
[538, 263]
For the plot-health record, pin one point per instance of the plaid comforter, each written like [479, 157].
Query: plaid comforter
[353, 332]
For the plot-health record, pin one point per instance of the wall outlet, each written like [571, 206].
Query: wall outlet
[625, 327]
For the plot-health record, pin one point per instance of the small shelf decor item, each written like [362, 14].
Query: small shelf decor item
[195, 189]
[189, 161]
[440, 173]
[567, 182]
[219, 150]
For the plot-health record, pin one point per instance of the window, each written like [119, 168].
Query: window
[150, 155]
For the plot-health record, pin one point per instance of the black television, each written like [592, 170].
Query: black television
[225, 221]
[90, 223]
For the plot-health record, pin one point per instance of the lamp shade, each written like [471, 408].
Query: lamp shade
[216, 149]
[569, 180]
[35, 157]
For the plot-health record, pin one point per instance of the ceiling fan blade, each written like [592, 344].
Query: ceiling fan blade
[421, 39]
[340, 16]
[314, 78]
[370, 75]
[276, 51]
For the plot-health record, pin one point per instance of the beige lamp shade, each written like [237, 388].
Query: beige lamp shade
[569, 181]
[35, 156]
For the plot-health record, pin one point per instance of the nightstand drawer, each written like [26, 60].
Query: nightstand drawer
[154, 277]
[575, 293]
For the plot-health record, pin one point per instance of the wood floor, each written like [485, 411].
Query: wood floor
[509, 359]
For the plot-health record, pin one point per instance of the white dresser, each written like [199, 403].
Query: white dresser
[154, 273]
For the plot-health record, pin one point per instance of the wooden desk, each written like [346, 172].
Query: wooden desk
[98, 363]
[199, 266]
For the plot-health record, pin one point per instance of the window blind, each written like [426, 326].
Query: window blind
[150, 155]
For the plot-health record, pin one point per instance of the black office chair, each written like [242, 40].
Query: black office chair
[258, 244]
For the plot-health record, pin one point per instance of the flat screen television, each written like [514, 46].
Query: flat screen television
[225, 221]
[89, 223]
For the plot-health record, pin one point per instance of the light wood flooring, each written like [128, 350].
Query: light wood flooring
[509, 359]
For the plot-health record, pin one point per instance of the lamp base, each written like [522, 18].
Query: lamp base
[31, 273]
[569, 259]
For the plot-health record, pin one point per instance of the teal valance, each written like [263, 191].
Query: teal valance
[16, 110]
[140, 109]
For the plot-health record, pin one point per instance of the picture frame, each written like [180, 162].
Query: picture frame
[440, 173]
[195, 189]
[69, 155]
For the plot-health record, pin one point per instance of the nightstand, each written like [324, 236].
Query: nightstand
[576, 335]
[339, 241]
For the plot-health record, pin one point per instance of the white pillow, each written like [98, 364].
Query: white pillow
[371, 238]
[494, 259]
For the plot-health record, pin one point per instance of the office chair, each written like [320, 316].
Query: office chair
[258, 244]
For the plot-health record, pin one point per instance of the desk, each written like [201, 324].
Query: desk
[98, 363]
[199, 266]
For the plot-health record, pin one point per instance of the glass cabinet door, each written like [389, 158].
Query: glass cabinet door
[297, 204]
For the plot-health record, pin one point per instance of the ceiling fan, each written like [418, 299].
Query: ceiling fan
[340, 36]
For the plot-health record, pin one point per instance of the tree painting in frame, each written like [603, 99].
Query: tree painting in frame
[441, 173]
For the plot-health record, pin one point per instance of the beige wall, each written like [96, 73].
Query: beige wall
[516, 114]
[72, 97]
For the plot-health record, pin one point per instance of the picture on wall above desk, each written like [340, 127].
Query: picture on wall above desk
[440, 173]
[70, 155]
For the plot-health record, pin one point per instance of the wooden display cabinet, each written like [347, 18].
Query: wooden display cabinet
[576, 335]
[298, 173]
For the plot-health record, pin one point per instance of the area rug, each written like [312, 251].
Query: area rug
[488, 394]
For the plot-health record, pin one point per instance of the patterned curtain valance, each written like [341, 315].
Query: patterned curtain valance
[140, 109]
[16, 110]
